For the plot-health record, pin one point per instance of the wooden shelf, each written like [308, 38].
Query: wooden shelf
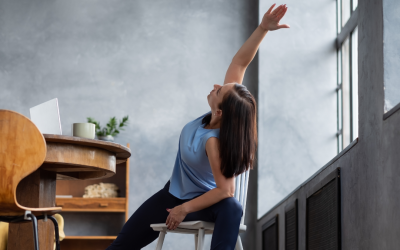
[90, 237]
[79, 204]
[86, 242]
[83, 207]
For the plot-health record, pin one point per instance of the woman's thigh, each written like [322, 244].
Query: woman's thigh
[226, 208]
[137, 232]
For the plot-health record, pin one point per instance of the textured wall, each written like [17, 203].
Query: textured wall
[391, 50]
[297, 99]
[155, 61]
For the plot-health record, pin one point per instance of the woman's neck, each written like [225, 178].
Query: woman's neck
[214, 123]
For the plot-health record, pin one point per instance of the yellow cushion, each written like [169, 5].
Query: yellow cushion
[4, 231]
[60, 221]
[3, 235]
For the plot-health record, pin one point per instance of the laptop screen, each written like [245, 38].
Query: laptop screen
[46, 117]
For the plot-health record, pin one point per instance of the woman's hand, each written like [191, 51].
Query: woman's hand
[271, 19]
[175, 217]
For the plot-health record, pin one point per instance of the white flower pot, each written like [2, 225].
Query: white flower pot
[106, 138]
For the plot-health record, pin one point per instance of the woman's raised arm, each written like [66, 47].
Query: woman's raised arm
[246, 53]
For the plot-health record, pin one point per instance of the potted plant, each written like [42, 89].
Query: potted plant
[112, 128]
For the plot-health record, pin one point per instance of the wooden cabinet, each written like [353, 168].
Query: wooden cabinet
[98, 206]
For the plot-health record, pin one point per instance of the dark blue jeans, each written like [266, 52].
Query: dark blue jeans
[137, 232]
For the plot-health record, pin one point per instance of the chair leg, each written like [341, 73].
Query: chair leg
[35, 232]
[200, 243]
[196, 240]
[56, 232]
[160, 240]
[239, 245]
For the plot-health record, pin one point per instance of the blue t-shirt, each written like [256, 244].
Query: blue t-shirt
[192, 175]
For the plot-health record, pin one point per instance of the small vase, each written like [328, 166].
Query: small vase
[106, 138]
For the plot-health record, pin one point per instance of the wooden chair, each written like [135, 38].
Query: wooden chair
[200, 228]
[22, 151]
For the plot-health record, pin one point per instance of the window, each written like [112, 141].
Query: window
[391, 58]
[347, 77]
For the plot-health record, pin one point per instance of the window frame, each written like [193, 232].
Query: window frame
[345, 32]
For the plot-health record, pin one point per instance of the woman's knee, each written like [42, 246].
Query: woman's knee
[232, 206]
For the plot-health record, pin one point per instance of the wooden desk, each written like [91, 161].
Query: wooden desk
[67, 158]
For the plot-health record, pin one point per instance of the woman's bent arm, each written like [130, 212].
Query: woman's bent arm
[206, 200]
[225, 189]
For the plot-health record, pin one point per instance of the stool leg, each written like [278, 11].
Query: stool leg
[239, 245]
[200, 243]
[57, 234]
[196, 240]
[35, 232]
[160, 240]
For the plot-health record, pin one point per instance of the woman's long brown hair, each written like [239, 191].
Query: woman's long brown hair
[238, 131]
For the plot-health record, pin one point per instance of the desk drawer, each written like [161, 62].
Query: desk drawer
[79, 204]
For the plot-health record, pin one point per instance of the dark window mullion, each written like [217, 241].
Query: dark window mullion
[351, 7]
[347, 28]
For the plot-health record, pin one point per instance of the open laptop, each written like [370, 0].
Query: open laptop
[46, 117]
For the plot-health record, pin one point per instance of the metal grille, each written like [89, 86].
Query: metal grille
[291, 229]
[269, 238]
[270, 234]
[323, 218]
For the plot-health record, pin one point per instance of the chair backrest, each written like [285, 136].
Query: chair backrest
[22, 151]
[242, 182]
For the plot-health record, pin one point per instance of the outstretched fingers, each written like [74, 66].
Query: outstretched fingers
[275, 12]
[270, 8]
[273, 16]
[282, 13]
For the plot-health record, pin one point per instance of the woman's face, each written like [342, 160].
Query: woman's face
[217, 94]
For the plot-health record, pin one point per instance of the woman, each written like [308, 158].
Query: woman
[213, 149]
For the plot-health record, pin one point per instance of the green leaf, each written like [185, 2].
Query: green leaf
[123, 122]
[111, 126]
[100, 133]
[97, 124]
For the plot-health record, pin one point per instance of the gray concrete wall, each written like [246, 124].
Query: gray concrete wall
[155, 61]
[297, 107]
[391, 50]
[370, 168]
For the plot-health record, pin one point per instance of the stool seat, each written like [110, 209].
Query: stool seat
[191, 227]
[200, 228]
